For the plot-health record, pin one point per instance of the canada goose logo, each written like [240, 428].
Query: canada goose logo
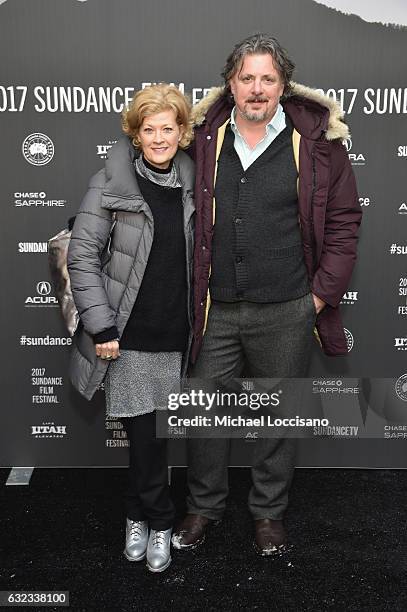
[38, 149]
[349, 339]
[401, 387]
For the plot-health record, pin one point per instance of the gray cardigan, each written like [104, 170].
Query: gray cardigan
[104, 296]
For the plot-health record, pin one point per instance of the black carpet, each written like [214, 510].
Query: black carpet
[65, 531]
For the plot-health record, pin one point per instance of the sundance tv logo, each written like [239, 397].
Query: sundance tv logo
[38, 149]
[43, 297]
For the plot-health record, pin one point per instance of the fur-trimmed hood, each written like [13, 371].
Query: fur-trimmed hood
[312, 113]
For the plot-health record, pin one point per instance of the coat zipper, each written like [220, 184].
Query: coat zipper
[121, 197]
[311, 219]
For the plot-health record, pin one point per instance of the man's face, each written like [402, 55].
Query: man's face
[257, 87]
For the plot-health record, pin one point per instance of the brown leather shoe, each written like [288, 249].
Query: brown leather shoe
[270, 538]
[191, 532]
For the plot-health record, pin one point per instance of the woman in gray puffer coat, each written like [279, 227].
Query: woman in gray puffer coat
[135, 308]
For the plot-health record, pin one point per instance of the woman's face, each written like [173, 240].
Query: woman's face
[159, 136]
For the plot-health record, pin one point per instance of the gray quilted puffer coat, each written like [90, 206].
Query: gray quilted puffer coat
[104, 296]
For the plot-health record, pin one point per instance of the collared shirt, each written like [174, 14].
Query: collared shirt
[273, 129]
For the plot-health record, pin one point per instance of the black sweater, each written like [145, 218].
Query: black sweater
[257, 251]
[159, 319]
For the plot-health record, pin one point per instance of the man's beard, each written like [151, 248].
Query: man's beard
[255, 116]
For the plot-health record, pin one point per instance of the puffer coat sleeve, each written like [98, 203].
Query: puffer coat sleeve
[342, 220]
[89, 237]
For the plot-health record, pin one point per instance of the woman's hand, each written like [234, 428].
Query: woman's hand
[108, 350]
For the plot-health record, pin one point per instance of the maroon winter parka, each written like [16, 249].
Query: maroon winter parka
[329, 210]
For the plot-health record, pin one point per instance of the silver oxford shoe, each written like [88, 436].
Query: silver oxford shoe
[159, 550]
[136, 540]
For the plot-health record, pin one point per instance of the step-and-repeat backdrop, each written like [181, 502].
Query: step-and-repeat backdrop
[67, 69]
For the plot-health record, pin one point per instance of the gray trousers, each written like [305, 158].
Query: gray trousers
[272, 340]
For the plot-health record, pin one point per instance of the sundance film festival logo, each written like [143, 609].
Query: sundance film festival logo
[38, 149]
[349, 339]
[48, 430]
[350, 297]
[356, 159]
[33, 247]
[402, 310]
[403, 286]
[43, 297]
[402, 209]
[363, 201]
[402, 151]
[401, 387]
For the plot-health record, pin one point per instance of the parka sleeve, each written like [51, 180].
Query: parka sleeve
[90, 234]
[342, 220]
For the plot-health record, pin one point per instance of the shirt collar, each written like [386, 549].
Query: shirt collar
[275, 123]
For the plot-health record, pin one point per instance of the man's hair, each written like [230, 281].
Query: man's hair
[260, 44]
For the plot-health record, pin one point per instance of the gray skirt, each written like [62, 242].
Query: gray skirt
[139, 382]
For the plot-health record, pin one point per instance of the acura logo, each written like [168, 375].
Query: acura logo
[347, 143]
[43, 288]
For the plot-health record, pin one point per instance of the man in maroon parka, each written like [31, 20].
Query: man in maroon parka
[277, 215]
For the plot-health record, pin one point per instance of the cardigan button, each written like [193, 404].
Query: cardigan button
[209, 137]
[203, 247]
[243, 179]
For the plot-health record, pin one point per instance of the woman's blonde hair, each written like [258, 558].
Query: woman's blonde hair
[156, 99]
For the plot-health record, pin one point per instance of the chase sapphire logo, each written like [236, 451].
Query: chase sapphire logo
[38, 149]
